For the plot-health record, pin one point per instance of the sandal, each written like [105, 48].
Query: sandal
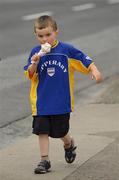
[70, 153]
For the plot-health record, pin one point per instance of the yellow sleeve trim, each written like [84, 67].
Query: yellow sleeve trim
[78, 66]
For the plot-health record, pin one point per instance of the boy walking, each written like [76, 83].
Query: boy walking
[51, 66]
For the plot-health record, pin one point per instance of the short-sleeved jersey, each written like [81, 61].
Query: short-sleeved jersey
[52, 85]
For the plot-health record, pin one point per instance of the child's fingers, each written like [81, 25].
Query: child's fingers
[35, 57]
[97, 77]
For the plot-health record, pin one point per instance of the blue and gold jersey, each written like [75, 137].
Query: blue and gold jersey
[52, 84]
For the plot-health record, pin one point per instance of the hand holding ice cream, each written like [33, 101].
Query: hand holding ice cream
[45, 48]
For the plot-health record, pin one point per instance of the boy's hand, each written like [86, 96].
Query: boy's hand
[35, 58]
[45, 48]
[95, 73]
[97, 76]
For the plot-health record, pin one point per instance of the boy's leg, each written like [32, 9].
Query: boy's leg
[44, 146]
[41, 128]
[67, 141]
[69, 147]
[44, 165]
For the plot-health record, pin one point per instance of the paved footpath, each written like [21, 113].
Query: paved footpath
[18, 161]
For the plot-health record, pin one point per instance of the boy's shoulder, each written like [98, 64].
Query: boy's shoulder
[36, 49]
[69, 49]
[64, 44]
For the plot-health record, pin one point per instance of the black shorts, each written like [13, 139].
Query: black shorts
[55, 126]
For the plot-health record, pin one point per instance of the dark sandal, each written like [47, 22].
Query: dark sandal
[70, 154]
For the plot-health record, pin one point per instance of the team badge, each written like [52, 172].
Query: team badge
[51, 71]
[88, 58]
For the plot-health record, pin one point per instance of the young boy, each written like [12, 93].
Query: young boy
[51, 66]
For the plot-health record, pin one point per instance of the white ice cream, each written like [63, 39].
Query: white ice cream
[45, 48]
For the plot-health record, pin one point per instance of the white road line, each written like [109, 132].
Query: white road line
[83, 7]
[34, 16]
[74, 8]
[113, 1]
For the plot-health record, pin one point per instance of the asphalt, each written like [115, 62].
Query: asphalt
[89, 125]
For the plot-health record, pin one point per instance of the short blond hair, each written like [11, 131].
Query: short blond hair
[45, 21]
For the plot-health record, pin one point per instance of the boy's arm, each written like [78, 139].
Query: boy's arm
[45, 48]
[33, 67]
[95, 73]
[84, 63]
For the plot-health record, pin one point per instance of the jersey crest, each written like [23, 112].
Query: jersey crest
[51, 71]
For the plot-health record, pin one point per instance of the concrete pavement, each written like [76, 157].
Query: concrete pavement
[87, 123]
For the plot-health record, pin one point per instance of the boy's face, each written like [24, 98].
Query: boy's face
[46, 35]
